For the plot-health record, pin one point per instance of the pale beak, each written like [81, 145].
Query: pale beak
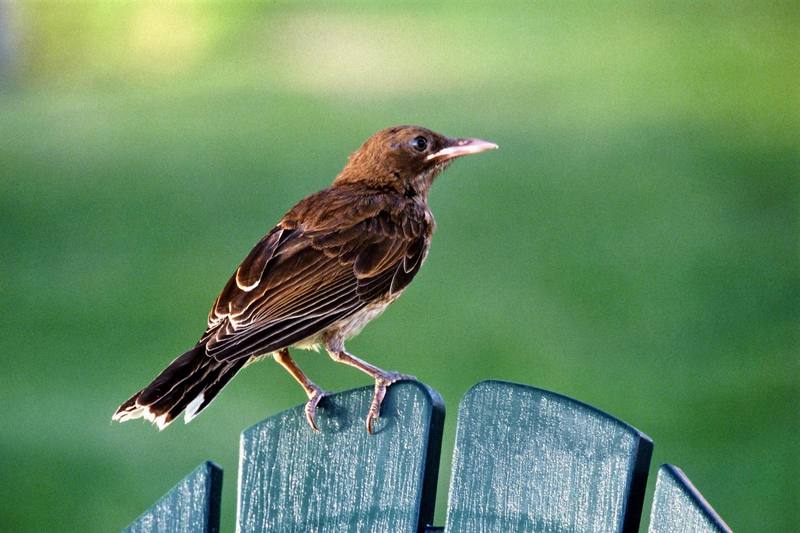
[459, 147]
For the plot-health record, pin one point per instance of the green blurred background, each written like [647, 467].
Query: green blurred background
[633, 244]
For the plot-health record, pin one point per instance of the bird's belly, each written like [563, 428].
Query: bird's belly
[352, 325]
[347, 327]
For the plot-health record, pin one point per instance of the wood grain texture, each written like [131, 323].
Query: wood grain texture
[342, 479]
[530, 460]
[679, 507]
[191, 506]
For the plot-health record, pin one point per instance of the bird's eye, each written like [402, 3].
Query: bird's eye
[420, 143]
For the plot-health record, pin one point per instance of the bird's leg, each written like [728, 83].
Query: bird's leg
[315, 394]
[383, 379]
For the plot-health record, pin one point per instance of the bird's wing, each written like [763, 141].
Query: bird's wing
[312, 270]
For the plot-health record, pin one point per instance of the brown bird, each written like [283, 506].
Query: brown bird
[332, 264]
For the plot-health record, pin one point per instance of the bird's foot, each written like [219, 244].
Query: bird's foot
[314, 397]
[382, 382]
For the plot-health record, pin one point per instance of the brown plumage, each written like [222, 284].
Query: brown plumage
[332, 264]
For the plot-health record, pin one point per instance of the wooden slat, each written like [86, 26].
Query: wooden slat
[342, 479]
[530, 460]
[191, 506]
[678, 506]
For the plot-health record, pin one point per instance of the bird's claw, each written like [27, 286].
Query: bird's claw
[382, 383]
[311, 407]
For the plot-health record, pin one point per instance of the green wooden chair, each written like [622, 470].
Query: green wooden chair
[679, 506]
[192, 506]
[531, 460]
[525, 459]
[343, 479]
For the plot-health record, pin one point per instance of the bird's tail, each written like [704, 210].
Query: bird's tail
[190, 382]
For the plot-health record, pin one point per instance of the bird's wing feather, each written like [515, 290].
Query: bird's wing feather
[308, 273]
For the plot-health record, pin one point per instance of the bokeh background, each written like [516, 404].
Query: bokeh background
[633, 244]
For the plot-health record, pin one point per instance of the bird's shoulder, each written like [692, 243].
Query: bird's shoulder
[338, 208]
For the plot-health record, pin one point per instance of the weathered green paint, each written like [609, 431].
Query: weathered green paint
[679, 507]
[191, 506]
[530, 460]
[342, 479]
[525, 460]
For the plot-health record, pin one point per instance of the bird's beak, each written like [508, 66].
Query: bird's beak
[458, 147]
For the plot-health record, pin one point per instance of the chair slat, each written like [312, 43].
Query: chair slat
[191, 506]
[526, 459]
[678, 506]
[342, 479]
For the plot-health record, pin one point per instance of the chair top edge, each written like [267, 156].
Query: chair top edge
[430, 394]
[644, 439]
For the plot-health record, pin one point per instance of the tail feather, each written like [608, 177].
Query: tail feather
[190, 382]
[178, 371]
[198, 391]
[202, 400]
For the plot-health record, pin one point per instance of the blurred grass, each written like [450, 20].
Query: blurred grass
[633, 244]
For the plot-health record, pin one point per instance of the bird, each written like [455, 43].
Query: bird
[333, 263]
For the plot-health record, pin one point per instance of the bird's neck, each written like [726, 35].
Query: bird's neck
[420, 184]
[380, 179]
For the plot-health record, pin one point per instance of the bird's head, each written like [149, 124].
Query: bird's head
[406, 159]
